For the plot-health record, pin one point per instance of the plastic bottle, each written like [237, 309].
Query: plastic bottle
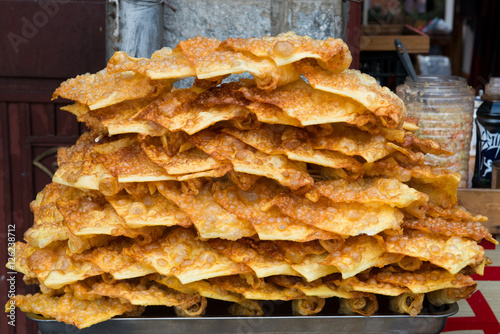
[487, 135]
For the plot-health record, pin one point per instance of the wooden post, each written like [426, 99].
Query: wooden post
[353, 31]
[134, 26]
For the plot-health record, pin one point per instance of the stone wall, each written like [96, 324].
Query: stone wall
[183, 19]
[252, 18]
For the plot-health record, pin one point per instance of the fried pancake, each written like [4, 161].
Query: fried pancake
[112, 260]
[210, 219]
[246, 308]
[55, 268]
[423, 280]
[180, 253]
[79, 244]
[125, 160]
[94, 215]
[359, 87]
[139, 189]
[409, 263]
[327, 291]
[424, 145]
[48, 223]
[271, 114]
[241, 251]
[150, 210]
[78, 166]
[359, 253]
[312, 267]
[456, 212]
[71, 310]
[120, 118]
[296, 252]
[163, 64]
[213, 58]
[368, 190]
[81, 111]
[387, 167]
[270, 224]
[440, 184]
[178, 110]
[145, 293]
[167, 105]
[346, 219]
[450, 228]
[309, 106]
[450, 253]
[243, 181]
[352, 141]
[304, 183]
[213, 173]
[187, 162]
[269, 139]
[195, 310]
[197, 118]
[414, 157]
[104, 89]
[20, 263]
[371, 286]
[246, 159]
[287, 48]
[225, 93]
[396, 135]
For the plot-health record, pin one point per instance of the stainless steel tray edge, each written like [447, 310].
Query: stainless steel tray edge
[377, 323]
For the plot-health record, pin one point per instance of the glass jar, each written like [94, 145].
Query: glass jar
[444, 106]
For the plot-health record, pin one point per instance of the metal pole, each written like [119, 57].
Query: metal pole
[134, 26]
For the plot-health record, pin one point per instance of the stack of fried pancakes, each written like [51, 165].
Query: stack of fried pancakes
[301, 184]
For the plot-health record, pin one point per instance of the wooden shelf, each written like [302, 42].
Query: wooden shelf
[381, 38]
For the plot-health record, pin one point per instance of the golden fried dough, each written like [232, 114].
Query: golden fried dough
[246, 159]
[164, 64]
[270, 224]
[104, 89]
[111, 259]
[210, 219]
[289, 47]
[450, 253]
[67, 308]
[300, 182]
[359, 87]
[180, 253]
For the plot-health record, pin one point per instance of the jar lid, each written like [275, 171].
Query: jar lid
[493, 87]
[492, 90]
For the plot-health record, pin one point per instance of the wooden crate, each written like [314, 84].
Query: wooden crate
[484, 202]
[381, 38]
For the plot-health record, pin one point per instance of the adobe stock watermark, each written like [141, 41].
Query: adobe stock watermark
[31, 26]
[11, 274]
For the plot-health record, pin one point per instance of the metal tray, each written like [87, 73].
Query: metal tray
[430, 320]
